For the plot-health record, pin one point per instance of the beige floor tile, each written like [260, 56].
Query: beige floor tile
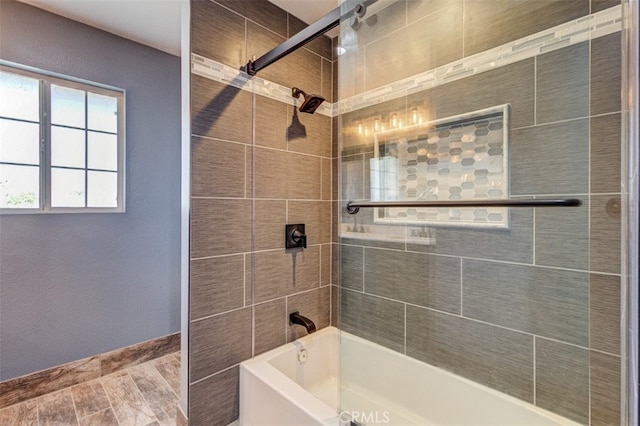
[56, 409]
[23, 414]
[128, 403]
[101, 418]
[89, 398]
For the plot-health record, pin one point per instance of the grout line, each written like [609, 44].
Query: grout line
[534, 371]
[73, 402]
[461, 286]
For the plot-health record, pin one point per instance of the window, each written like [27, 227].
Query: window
[61, 144]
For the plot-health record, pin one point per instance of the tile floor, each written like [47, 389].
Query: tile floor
[145, 394]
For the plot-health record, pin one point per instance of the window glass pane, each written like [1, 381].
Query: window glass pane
[102, 113]
[19, 186]
[103, 151]
[19, 97]
[103, 189]
[19, 142]
[67, 188]
[67, 106]
[67, 147]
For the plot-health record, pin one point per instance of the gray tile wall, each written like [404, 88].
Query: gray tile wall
[246, 185]
[533, 311]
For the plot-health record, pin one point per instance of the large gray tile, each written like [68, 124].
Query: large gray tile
[547, 302]
[260, 41]
[423, 45]
[215, 401]
[279, 273]
[327, 178]
[270, 221]
[335, 304]
[418, 9]
[216, 285]
[270, 325]
[562, 237]
[207, 354]
[316, 137]
[606, 74]
[392, 16]
[514, 244]
[271, 121]
[315, 305]
[605, 233]
[220, 111]
[562, 84]
[372, 318]
[263, 12]
[320, 45]
[562, 379]
[421, 279]
[304, 70]
[490, 23]
[334, 90]
[217, 168]
[327, 80]
[550, 159]
[316, 215]
[512, 84]
[598, 5]
[216, 226]
[351, 263]
[606, 146]
[605, 389]
[217, 33]
[350, 71]
[492, 356]
[285, 175]
[605, 313]
[325, 264]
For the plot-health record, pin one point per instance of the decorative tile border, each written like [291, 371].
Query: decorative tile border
[588, 27]
[52, 379]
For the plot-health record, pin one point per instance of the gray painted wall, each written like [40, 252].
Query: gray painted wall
[74, 285]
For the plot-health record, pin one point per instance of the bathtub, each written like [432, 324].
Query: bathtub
[333, 378]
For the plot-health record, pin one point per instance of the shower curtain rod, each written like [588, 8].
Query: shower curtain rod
[354, 207]
[318, 28]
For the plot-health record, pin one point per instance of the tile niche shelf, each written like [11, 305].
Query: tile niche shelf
[464, 157]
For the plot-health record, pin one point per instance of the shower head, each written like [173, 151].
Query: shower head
[311, 102]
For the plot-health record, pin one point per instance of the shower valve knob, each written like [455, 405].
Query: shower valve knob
[295, 236]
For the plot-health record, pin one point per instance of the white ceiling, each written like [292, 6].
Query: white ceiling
[156, 23]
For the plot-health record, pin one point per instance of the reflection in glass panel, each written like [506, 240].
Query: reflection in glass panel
[67, 106]
[19, 97]
[102, 189]
[67, 147]
[19, 186]
[67, 188]
[19, 142]
[103, 151]
[102, 113]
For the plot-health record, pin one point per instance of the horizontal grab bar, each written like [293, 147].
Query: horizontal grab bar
[354, 207]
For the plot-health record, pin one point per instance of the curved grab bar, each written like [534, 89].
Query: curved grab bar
[354, 207]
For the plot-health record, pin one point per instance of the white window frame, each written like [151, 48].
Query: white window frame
[46, 79]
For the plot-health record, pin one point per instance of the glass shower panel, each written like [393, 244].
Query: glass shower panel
[509, 312]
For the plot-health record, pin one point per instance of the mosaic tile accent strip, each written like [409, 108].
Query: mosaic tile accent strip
[221, 73]
[456, 158]
[589, 27]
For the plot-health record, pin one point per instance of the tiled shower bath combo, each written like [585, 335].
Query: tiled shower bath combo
[524, 301]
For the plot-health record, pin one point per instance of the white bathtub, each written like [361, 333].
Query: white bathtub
[369, 384]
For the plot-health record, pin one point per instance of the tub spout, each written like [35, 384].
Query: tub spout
[296, 318]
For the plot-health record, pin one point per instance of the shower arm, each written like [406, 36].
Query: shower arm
[354, 207]
[318, 28]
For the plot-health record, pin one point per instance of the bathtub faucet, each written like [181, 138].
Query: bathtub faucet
[296, 318]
